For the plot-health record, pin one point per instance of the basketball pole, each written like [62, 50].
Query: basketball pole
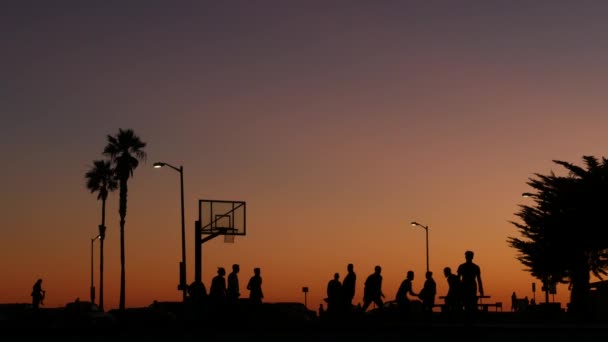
[206, 225]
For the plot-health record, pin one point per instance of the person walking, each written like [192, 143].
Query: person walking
[372, 291]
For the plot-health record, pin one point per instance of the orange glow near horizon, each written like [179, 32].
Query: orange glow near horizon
[337, 126]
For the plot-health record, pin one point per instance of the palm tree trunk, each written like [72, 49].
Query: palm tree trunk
[123, 213]
[101, 274]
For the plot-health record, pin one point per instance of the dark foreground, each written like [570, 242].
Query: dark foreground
[292, 322]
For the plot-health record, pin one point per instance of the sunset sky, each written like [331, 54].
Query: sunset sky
[337, 122]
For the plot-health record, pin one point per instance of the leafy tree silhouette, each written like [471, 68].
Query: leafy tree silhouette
[565, 235]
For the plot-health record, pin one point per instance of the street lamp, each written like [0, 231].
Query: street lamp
[92, 284]
[426, 229]
[182, 269]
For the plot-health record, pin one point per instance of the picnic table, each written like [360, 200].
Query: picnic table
[482, 306]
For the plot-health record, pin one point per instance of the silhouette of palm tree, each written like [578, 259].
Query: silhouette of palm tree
[101, 179]
[125, 150]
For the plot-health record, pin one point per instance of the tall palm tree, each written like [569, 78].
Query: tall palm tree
[125, 150]
[100, 178]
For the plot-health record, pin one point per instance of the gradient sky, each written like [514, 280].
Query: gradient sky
[337, 122]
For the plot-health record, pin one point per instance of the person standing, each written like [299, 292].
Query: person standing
[372, 292]
[217, 291]
[233, 291]
[452, 298]
[428, 292]
[37, 295]
[255, 287]
[348, 286]
[334, 294]
[469, 274]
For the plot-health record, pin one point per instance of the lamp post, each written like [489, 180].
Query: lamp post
[182, 269]
[305, 290]
[102, 237]
[92, 284]
[426, 229]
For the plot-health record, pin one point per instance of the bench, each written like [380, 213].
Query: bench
[486, 306]
[482, 306]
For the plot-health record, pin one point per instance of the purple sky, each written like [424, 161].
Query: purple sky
[339, 122]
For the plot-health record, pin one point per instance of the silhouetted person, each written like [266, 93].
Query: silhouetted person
[514, 301]
[334, 294]
[37, 294]
[469, 274]
[405, 289]
[452, 298]
[197, 293]
[255, 287]
[197, 298]
[217, 291]
[428, 292]
[372, 291]
[348, 286]
[233, 291]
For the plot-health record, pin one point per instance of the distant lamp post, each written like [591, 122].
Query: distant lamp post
[426, 229]
[92, 284]
[182, 268]
[305, 290]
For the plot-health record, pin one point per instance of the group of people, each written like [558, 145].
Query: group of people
[227, 291]
[340, 295]
[463, 289]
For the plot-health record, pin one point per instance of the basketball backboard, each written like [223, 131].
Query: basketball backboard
[222, 217]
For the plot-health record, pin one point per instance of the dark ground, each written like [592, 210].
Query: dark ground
[292, 323]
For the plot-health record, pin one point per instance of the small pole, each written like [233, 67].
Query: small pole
[305, 290]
